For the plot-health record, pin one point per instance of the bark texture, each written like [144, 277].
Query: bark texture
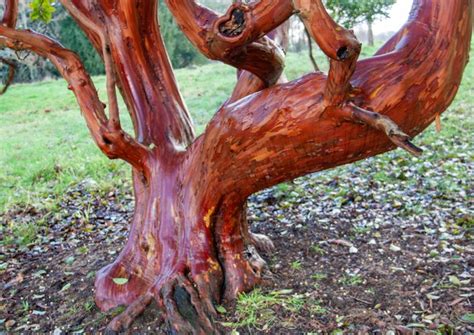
[189, 246]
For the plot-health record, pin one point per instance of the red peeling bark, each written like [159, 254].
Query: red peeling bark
[189, 246]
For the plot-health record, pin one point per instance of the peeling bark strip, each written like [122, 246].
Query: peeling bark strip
[189, 246]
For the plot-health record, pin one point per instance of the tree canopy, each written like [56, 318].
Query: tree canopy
[352, 12]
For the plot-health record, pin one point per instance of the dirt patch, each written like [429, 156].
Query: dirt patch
[354, 253]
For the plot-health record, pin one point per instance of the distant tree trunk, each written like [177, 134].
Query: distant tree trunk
[370, 33]
[189, 246]
[310, 49]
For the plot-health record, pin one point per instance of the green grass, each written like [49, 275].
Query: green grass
[351, 280]
[255, 309]
[45, 146]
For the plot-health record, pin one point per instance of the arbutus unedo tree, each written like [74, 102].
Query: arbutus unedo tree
[190, 246]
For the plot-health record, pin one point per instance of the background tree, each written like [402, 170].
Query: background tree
[180, 50]
[189, 246]
[352, 12]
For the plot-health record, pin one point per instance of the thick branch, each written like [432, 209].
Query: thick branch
[281, 133]
[113, 142]
[236, 38]
[10, 13]
[339, 44]
[141, 64]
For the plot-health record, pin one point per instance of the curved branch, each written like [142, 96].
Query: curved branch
[237, 37]
[115, 143]
[142, 67]
[10, 13]
[247, 82]
[280, 133]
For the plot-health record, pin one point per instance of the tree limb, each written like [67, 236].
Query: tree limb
[10, 13]
[338, 43]
[281, 133]
[236, 37]
[114, 114]
[115, 143]
[142, 68]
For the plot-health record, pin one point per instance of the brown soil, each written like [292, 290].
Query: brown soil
[359, 261]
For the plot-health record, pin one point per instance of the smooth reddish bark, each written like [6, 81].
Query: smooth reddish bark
[189, 246]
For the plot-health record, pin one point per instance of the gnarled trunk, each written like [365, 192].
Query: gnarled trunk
[189, 246]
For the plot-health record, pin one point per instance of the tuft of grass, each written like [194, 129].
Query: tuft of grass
[315, 248]
[23, 234]
[351, 280]
[296, 265]
[255, 309]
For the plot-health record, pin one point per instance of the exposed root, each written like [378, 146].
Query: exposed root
[261, 242]
[10, 76]
[242, 272]
[184, 309]
[124, 320]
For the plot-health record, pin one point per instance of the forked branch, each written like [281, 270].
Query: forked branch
[114, 114]
[338, 43]
[236, 38]
[115, 143]
[141, 67]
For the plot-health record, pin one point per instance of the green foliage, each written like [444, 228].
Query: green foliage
[42, 10]
[181, 52]
[351, 12]
[72, 37]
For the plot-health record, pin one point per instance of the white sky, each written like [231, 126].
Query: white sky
[398, 16]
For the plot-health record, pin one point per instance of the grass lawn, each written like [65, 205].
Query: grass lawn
[45, 146]
[408, 223]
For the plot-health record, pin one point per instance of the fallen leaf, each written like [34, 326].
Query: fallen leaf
[221, 309]
[120, 281]
[455, 302]
[66, 287]
[395, 248]
[469, 318]
[455, 280]
[69, 260]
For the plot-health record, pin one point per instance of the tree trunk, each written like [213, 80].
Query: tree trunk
[189, 246]
[370, 33]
